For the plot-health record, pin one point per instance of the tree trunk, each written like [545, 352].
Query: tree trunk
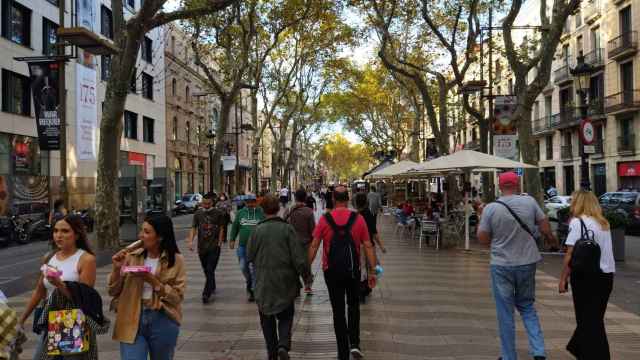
[107, 188]
[226, 103]
[256, 141]
[415, 138]
[532, 184]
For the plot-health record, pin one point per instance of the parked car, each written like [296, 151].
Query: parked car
[554, 204]
[623, 202]
[191, 202]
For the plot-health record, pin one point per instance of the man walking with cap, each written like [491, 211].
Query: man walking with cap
[507, 225]
[243, 226]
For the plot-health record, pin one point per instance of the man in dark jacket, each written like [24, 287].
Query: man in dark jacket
[279, 261]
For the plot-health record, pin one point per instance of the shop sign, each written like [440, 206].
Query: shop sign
[228, 163]
[44, 89]
[136, 159]
[629, 169]
[506, 146]
[86, 112]
[504, 107]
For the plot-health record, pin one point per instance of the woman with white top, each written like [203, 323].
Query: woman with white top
[590, 291]
[73, 257]
[149, 302]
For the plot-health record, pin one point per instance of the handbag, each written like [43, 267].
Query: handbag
[37, 313]
[67, 333]
[585, 257]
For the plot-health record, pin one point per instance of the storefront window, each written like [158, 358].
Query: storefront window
[5, 154]
[26, 156]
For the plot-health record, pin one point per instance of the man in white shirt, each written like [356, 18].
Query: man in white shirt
[284, 196]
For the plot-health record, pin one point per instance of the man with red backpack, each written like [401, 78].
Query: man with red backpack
[342, 233]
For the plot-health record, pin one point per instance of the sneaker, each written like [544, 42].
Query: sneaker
[283, 354]
[356, 353]
[539, 358]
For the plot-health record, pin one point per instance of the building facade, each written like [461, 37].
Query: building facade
[32, 177]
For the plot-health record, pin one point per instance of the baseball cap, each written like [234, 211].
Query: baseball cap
[508, 178]
[250, 197]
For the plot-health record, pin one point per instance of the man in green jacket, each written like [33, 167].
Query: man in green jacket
[243, 226]
[279, 260]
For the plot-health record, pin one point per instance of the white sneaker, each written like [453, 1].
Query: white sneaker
[356, 353]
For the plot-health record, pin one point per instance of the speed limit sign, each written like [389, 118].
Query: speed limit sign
[587, 132]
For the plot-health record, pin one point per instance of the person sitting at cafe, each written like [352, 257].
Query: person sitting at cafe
[408, 209]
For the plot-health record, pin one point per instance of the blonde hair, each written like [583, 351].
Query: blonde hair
[585, 203]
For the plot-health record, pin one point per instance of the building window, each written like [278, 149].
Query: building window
[174, 84]
[173, 45]
[147, 50]
[578, 17]
[130, 125]
[16, 22]
[49, 37]
[131, 4]
[15, 93]
[549, 144]
[187, 130]
[174, 129]
[105, 67]
[187, 95]
[106, 22]
[147, 86]
[147, 129]
[134, 77]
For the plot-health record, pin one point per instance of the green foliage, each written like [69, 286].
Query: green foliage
[347, 161]
[616, 219]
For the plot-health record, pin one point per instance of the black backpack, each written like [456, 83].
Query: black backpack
[343, 258]
[586, 252]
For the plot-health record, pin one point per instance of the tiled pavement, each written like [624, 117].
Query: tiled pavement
[429, 305]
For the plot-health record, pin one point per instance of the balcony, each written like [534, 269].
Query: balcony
[568, 116]
[592, 11]
[627, 144]
[562, 74]
[595, 58]
[554, 120]
[596, 107]
[625, 101]
[566, 152]
[541, 125]
[623, 46]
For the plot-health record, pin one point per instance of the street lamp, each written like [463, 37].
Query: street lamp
[211, 135]
[582, 74]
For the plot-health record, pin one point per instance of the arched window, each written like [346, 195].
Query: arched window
[174, 129]
[187, 95]
[174, 84]
[187, 130]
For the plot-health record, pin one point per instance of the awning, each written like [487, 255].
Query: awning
[392, 170]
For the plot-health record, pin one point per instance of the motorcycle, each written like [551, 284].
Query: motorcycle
[180, 209]
[6, 231]
[20, 234]
[38, 230]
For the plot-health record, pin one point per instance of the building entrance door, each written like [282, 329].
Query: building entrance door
[599, 172]
[569, 180]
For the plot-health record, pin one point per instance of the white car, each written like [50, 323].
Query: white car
[556, 203]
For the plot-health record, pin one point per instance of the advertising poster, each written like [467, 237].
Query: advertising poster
[44, 89]
[506, 146]
[505, 140]
[86, 112]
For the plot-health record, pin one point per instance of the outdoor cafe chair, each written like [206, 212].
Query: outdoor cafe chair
[429, 228]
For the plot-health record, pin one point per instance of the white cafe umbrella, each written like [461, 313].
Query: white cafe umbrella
[466, 161]
[392, 170]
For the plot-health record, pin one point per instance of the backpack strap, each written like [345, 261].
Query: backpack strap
[347, 227]
[352, 219]
[517, 218]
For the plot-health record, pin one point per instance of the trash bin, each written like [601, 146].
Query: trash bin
[618, 243]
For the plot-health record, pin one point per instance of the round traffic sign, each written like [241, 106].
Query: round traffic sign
[587, 132]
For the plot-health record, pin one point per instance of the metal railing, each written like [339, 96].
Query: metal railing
[627, 41]
[627, 143]
[562, 73]
[541, 124]
[566, 152]
[568, 114]
[595, 58]
[599, 147]
[596, 106]
[627, 99]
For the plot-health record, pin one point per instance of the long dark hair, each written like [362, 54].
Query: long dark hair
[163, 226]
[77, 225]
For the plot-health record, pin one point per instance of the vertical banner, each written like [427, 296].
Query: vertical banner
[86, 112]
[149, 166]
[44, 88]
[505, 138]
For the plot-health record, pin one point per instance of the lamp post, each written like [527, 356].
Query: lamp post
[211, 135]
[582, 73]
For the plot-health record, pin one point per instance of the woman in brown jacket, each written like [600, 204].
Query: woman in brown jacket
[148, 304]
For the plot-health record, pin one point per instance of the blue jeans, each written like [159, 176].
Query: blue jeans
[515, 287]
[157, 336]
[247, 269]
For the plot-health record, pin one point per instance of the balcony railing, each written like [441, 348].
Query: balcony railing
[626, 100]
[541, 124]
[566, 152]
[554, 120]
[596, 107]
[595, 58]
[562, 74]
[599, 147]
[627, 143]
[625, 44]
[568, 115]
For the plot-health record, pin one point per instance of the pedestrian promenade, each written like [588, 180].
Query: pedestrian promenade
[429, 305]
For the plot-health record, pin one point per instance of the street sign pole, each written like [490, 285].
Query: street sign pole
[587, 134]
